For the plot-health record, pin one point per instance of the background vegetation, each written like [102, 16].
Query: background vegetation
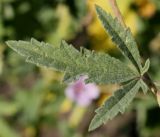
[32, 99]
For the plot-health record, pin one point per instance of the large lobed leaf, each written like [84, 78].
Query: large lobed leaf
[115, 104]
[121, 36]
[100, 67]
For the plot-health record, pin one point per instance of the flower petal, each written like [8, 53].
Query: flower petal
[70, 93]
[82, 93]
[92, 91]
[83, 100]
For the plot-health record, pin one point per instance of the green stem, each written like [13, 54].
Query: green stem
[146, 78]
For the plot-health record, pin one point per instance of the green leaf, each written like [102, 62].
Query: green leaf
[121, 36]
[100, 67]
[144, 86]
[115, 104]
[146, 67]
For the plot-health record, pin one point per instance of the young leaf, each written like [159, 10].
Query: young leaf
[100, 67]
[115, 104]
[144, 86]
[146, 67]
[121, 36]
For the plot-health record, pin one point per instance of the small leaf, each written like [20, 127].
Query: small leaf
[115, 104]
[100, 67]
[146, 67]
[144, 86]
[121, 36]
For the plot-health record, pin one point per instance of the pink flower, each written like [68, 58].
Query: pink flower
[82, 93]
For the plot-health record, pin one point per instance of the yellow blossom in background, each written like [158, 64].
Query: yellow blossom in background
[1, 58]
[30, 132]
[76, 112]
[76, 116]
[99, 39]
[66, 106]
[146, 8]
[50, 75]
[50, 97]
[106, 92]
[155, 44]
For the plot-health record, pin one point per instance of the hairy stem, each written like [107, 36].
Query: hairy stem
[146, 78]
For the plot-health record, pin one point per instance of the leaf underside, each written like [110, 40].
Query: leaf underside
[100, 67]
[121, 36]
[115, 104]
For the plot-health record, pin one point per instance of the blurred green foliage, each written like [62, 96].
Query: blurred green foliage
[32, 100]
